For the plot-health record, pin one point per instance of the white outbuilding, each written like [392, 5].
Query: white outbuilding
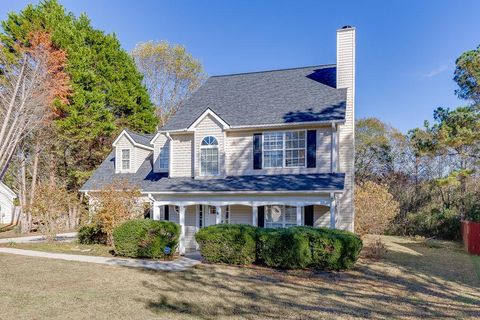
[7, 207]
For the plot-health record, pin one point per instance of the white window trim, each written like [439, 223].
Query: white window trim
[283, 215]
[284, 161]
[121, 169]
[217, 146]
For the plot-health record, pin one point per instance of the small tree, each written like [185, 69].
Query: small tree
[375, 208]
[116, 203]
[54, 209]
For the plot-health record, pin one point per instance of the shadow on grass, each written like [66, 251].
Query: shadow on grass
[403, 285]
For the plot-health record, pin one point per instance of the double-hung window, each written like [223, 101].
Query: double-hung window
[284, 149]
[164, 158]
[279, 216]
[125, 159]
[209, 156]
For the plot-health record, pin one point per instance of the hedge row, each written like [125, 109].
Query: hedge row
[145, 238]
[91, 234]
[288, 248]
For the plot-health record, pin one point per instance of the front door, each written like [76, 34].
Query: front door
[210, 215]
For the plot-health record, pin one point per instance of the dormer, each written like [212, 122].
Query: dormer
[131, 150]
[209, 145]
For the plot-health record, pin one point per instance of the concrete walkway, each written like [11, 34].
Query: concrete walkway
[180, 264]
[64, 237]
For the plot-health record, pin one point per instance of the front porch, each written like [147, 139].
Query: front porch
[193, 212]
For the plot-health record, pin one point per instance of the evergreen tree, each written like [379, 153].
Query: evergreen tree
[107, 91]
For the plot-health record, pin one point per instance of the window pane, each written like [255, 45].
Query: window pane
[209, 161]
[290, 216]
[163, 158]
[273, 141]
[274, 216]
[125, 159]
[273, 159]
[295, 149]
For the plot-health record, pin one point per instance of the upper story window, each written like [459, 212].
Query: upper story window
[209, 156]
[164, 158]
[284, 149]
[125, 159]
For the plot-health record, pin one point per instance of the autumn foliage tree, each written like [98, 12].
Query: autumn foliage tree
[375, 208]
[55, 209]
[106, 89]
[114, 204]
[34, 83]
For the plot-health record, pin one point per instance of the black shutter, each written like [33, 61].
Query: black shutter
[261, 217]
[311, 148]
[309, 215]
[257, 151]
[167, 212]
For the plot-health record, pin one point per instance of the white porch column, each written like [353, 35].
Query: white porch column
[333, 149]
[299, 215]
[181, 216]
[218, 218]
[332, 211]
[156, 212]
[255, 216]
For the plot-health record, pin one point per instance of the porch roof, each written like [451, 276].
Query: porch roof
[151, 182]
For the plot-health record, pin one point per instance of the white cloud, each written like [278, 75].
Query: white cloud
[435, 71]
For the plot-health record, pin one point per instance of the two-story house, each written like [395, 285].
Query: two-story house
[269, 149]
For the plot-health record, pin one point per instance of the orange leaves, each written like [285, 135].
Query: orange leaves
[57, 83]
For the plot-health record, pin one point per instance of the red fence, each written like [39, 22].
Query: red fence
[471, 237]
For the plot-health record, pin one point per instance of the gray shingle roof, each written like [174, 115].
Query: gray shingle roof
[141, 138]
[148, 181]
[269, 97]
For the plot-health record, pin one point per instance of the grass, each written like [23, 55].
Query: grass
[413, 280]
[65, 247]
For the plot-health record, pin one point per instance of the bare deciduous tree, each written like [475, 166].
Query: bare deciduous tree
[170, 74]
[24, 102]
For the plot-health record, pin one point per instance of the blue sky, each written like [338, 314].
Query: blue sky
[406, 50]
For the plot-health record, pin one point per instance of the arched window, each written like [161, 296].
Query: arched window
[209, 156]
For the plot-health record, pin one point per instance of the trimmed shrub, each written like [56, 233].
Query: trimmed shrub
[145, 238]
[227, 243]
[91, 234]
[301, 247]
[283, 248]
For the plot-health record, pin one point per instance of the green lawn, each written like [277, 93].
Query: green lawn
[414, 280]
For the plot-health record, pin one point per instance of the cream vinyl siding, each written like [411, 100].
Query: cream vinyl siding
[321, 216]
[239, 153]
[181, 155]
[346, 79]
[240, 214]
[161, 142]
[190, 227]
[209, 126]
[140, 156]
[137, 155]
[124, 143]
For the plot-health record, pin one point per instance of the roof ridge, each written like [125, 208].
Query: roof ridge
[273, 70]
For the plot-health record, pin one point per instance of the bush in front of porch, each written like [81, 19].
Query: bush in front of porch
[145, 238]
[286, 248]
[228, 243]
